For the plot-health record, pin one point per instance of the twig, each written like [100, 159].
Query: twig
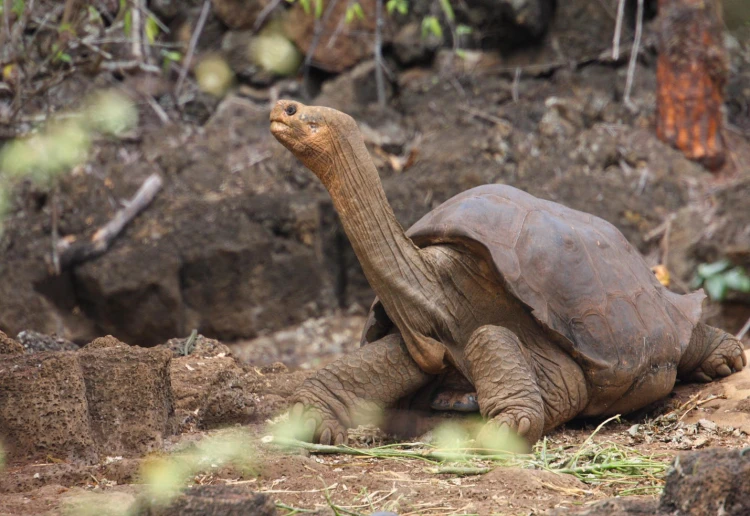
[516, 83]
[135, 30]
[744, 330]
[634, 56]
[264, 14]
[317, 34]
[72, 251]
[194, 37]
[115, 66]
[379, 81]
[190, 343]
[458, 470]
[55, 232]
[482, 115]
[618, 30]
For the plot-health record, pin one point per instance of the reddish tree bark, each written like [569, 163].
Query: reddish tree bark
[691, 72]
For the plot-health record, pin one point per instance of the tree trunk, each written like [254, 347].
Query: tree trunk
[691, 73]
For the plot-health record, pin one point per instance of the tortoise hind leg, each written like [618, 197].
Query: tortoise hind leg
[355, 388]
[711, 354]
[507, 389]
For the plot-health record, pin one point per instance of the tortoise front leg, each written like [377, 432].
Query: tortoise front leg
[507, 389]
[357, 387]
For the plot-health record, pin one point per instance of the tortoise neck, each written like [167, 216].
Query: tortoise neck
[393, 265]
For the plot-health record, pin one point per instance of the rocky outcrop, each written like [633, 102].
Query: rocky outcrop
[106, 399]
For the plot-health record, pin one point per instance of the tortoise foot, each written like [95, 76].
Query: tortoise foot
[727, 358]
[501, 430]
[314, 423]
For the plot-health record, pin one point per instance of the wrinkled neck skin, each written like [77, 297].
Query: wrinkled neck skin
[393, 265]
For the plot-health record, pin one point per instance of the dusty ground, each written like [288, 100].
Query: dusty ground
[243, 245]
[693, 417]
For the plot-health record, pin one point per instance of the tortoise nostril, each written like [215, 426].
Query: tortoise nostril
[291, 109]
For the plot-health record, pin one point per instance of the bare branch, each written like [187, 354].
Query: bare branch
[72, 251]
[379, 80]
[634, 56]
[136, 30]
[618, 30]
[191, 47]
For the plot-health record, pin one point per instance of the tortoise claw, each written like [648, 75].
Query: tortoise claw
[727, 358]
[313, 423]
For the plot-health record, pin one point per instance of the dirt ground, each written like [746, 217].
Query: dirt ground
[242, 244]
[694, 417]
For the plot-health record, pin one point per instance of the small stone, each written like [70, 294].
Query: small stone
[707, 425]
[9, 346]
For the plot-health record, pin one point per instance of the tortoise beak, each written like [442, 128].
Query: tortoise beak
[278, 117]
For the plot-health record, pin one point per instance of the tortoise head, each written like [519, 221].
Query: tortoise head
[314, 134]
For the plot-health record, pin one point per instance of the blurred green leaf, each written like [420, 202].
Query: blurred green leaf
[127, 22]
[737, 279]
[305, 5]
[111, 112]
[400, 6]
[354, 11]
[152, 29]
[448, 10]
[706, 270]
[463, 30]
[431, 25]
[716, 286]
[318, 8]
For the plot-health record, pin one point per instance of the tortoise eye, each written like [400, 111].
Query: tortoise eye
[291, 109]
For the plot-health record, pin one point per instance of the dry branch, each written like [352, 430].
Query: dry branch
[72, 251]
[691, 73]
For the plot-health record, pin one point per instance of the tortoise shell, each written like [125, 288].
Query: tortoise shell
[576, 273]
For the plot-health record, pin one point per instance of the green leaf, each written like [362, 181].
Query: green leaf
[400, 6]
[19, 6]
[460, 52]
[448, 10]
[716, 286]
[152, 30]
[463, 30]
[737, 279]
[354, 11]
[431, 25]
[172, 55]
[318, 8]
[127, 22]
[706, 270]
[305, 5]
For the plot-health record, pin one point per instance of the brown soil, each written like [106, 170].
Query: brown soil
[243, 244]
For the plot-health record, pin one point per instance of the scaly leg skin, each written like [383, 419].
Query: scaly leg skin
[508, 393]
[711, 354]
[355, 388]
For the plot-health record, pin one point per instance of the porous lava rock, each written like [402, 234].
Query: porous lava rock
[44, 409]
[129, 396]
[708, 482]
[9, 346]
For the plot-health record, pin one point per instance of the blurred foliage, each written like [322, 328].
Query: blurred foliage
[214, 75]
[272, 51]
[63, 142]
[720, 278]
[165, 477]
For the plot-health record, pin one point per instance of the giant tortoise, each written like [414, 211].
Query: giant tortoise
[547, 311]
